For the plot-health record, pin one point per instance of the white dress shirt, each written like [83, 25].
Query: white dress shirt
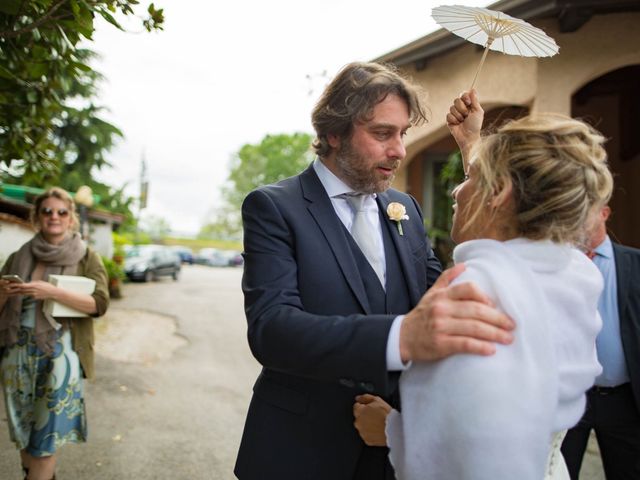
[335, 189]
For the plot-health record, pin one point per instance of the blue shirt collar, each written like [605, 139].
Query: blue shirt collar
[605, 249]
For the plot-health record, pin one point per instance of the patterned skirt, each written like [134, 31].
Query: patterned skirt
[43, 394]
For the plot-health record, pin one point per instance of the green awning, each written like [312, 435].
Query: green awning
[27, 194]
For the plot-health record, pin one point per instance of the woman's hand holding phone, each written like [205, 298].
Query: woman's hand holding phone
[12, 278]
[8, 284]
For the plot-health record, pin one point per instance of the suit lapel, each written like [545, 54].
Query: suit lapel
[402, 246]
[322, 211]
[623, 273]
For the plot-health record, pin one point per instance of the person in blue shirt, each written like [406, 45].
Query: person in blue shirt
[613, 404]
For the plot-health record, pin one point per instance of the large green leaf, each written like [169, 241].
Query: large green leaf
[75, 8]
[82, 66]
[109, 18]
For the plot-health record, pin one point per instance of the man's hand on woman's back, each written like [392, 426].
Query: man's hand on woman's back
[451, 319]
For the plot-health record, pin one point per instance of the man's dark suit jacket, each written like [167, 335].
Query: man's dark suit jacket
[628, 277]
[311, 326]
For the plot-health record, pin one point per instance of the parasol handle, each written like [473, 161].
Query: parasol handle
[484, 55]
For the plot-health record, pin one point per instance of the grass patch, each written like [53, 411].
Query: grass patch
[199, 243]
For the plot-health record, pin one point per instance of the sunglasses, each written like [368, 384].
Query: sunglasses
[48, 212]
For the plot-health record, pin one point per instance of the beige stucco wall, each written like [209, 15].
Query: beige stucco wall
[12, 235]
[603, 44]
[101, 239]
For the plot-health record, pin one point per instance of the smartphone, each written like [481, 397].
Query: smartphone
[12, 278]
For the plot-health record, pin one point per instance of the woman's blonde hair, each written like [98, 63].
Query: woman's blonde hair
[557, 169]
[60, 194]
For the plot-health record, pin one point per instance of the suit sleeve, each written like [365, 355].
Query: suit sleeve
[627, 267]
[282, 335]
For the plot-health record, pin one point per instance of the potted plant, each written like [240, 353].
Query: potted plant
[115, 274]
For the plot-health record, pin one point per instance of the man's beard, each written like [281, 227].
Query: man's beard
[360, 176]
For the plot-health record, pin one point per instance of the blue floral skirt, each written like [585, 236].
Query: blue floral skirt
[43, 394]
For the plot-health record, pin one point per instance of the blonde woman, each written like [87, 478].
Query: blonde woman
[41, 365]
[520, 216]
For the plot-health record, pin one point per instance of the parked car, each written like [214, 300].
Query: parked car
[185, 253]
[234, 259]
[148, 262]
[212, 257]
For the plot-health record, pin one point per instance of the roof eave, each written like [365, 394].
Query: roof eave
[570, 14]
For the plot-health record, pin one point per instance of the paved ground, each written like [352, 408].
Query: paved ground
[174, 381]
[165, 405]
[592, 466]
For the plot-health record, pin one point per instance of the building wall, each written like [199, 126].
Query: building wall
[13, 234]
[101, 239]
[504, 80]
[605, 43]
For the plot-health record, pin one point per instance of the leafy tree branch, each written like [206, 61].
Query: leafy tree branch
[51, 130]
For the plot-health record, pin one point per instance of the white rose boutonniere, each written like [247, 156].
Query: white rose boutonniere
[397, 212]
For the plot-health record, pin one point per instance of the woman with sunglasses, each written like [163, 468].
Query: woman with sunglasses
[42, 359]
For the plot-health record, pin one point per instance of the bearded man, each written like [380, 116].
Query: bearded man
[336, 268]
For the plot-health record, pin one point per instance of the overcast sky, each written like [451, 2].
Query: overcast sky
[223, 74]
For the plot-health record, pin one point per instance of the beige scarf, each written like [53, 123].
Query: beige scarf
[59, 259]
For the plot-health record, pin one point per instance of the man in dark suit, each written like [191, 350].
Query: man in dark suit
[613, 404]
[334, 258]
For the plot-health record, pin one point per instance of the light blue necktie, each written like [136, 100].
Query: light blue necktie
[364, 235]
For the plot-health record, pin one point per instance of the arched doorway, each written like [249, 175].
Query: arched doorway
[612, 105]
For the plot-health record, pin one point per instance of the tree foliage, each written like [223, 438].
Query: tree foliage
[50, 129]
[451, 174]
[156, 227]
[276, 157]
